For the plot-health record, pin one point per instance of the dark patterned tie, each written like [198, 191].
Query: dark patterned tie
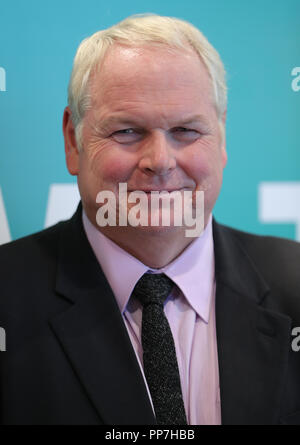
[159, 355]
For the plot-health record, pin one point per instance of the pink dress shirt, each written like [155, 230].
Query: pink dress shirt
[190, 310]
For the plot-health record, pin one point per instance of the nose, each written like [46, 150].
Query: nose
[158, 156]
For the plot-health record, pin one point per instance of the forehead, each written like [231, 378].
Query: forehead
[150, 75]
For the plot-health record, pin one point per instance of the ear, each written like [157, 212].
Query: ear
[71, 147]
[223, 129]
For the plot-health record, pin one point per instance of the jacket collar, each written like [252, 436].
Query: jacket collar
[93, 335]
[253, 341]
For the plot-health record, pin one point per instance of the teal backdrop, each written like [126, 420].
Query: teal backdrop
[259, 42]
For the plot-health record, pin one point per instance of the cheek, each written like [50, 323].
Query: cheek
[203, 162]
[117, 169]
[109, 164]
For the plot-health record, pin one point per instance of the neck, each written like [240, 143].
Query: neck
[155, 250]
[155, 247]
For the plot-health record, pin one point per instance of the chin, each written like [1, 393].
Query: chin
[159, 230]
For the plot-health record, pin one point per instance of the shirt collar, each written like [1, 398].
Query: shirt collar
[192, 270]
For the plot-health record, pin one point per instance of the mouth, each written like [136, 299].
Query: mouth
[148, 191]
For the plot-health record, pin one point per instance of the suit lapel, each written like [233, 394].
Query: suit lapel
[253, 342]
[94, 337]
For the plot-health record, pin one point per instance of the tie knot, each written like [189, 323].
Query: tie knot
[153, 289]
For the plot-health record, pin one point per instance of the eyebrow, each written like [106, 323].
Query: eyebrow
[194, 119]
[135, 121]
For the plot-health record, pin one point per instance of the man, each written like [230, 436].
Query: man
[147, 108]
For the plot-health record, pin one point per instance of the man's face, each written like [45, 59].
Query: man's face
[152, 124]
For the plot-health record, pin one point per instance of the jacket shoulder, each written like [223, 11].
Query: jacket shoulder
[28, 265]
[276, 259]
[267, 247]
[28, 246]
[263, 243]
[28, 268]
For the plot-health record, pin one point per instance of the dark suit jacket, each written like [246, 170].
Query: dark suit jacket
[69, 359]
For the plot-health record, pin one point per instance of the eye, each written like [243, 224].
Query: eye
[127, 135]
[185, 134]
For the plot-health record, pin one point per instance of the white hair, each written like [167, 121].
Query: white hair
[135, 31]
